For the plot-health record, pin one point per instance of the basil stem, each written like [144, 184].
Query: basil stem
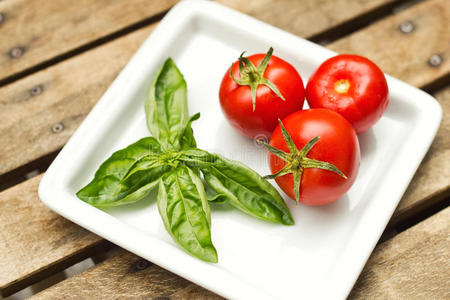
[244, 188]
[166, 106]
[128, 175]
[185, 212]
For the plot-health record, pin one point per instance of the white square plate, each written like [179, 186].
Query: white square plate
[323, 253]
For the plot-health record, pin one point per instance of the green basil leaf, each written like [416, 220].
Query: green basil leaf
[244, 188]
[213, 197]
[166, 106]
[185, 212]
[217, 198]
[128, 175]
[187, 139]
[197, 158]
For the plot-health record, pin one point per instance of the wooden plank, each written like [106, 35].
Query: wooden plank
[33, 239]
[407, 55]
[40, 112]
[125, 275]
[308, 18]
[431, 183]
[36, 31]
[413, 265]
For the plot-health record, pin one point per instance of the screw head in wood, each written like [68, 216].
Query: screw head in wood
[16, 52]
[435, 60]
[406, 27]
[36, 90]
[141, 264]
[57, 128]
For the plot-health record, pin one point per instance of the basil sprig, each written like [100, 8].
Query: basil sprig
[171, 161]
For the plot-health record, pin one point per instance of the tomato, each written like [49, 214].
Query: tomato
[259, 90]
[351, 85]
[319, 157]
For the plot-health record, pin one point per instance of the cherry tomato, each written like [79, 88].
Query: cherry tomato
[259, 90]
[319, 157]
[351, 85]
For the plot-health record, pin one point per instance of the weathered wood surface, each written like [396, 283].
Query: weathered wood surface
[308, 18]
[431, 183]
[72, 87]
[406, 55]
[36, 31]
[34, 239]
[64, 94]
[126, 276]
[413, 265]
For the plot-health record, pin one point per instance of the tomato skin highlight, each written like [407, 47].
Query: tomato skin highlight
[351, 85]
[236, 100]
[338, 145]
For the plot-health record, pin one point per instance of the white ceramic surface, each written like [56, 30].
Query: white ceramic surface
[323, 253]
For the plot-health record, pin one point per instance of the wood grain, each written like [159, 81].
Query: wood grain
[43, 30]
[34, 239]
[307, 18]
[125, 276]
[406, 56]
[68, 92]
[431, 183]
[413, 265]
[72, 87]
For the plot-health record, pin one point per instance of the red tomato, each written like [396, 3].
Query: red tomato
[336, 150]
[351, 85]
[255, 116]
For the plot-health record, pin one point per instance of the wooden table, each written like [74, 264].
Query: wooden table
[58, 57]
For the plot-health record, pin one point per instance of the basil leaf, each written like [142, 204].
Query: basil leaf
[217, 198]
[128, 175]
[213, 197]
[244, 188]
[197, 157]
[166, 106]
[187, 139]
[185, 212]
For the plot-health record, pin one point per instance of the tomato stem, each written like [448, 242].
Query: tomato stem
[254, 76]
[297, 160]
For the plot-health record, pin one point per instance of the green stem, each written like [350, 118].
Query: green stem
[254, 76]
